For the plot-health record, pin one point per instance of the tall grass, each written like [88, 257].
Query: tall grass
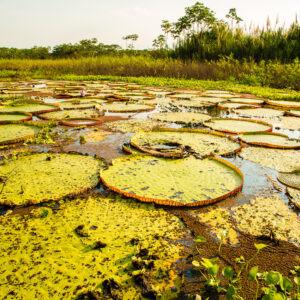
[242, 43]
[272, 74]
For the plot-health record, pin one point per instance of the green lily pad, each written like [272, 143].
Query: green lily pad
[247, 100]
[295, 196]
[123, 107]
[238, 125]
[14, 116]
[81, 122]
[34, 108]
[14, 133]
[179, 182]
[181, 117]
[283, 103]
[295, 113]
[280, 160]
[54, 262]
[70, 114]
[76, 104]
[291, 179]
[234, 105]
[135, 125]
[270, 139]
[181, 142]
[43, 177]
[192, 103]
[259, 112]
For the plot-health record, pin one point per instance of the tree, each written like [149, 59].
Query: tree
[132, 37]
[159, 42]
[233, 17]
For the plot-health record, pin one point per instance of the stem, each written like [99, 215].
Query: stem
[198, 250]
[257, 287]
[203, 274]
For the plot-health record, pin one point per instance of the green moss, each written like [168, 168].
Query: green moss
[42, 177]
[45, 258]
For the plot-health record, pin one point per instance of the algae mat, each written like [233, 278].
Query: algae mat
[178, 182]
[13, 133]
[42, 177]
[44, 258]
[280, 160]
[181, 142]
[238, 125]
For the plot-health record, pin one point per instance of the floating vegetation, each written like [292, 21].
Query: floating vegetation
[135, 125]
[77, 104]
[289, 123]
[178, 182]
[34, 108]
[238, 125]
[270, 139]
[259, 112]
[126, 107]
[14, 116]
[284, 103]
[75, 122]
[181, 117]
[43, 177]
[58, 263]
[14, 133]
[247, 101]
[182, 142]
[291, 179]
[192, 104]
[184, 96]
[96, 136]
[70, 114]
[233, 105]
[268, 218]
[295, 113]
[294, 196]
[280, 160]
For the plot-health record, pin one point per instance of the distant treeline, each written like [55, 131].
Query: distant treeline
[196, 36]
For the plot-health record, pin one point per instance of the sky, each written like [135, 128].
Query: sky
[26, 23]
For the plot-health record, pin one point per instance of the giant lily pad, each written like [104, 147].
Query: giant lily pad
[44, 258]
[283, 103]
[238, 125]
[260, 112]
[14, 133]
[289, 123]
[81, 122]
[181, 117]
[42, 177]
[291, 179]
[34, 108]
[135, 125]
[181, 142]
[70, 114]
[192, 103]
[295, 196]
[270, 139]
[179, 182]
[295, 113]
[14, 116]
[234, 105]
[247, 101]
[129, 107]
[280, 160]
[76, 104]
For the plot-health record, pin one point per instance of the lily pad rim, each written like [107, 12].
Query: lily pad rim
[274, 103]
[28, 118]
[284, 183]
[67, 123]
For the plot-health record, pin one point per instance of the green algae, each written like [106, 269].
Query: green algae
[12, 133]
[44, 258]
[40, 177]
[181, 117]
[70, 114]
[200, 142]
[187, 181]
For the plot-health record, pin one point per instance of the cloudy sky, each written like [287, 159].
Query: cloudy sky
[25, 23]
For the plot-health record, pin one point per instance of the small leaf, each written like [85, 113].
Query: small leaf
[252, 273]
[231, 292]
[196, 263]
[200, 239]
[214, 270]
[206, 263]
[273, 277]
[228, 272]
[286, 284]
[260, 246]
[297, 280]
